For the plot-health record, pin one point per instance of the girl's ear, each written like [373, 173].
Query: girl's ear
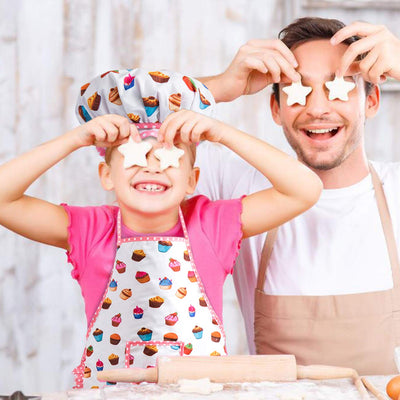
[105, 176]
[193, 179]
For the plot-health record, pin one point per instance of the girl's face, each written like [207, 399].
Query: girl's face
[149, 191]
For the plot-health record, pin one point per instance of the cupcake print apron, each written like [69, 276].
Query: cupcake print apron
[154, 304]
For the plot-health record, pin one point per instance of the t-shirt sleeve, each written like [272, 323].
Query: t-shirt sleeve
[90, 228]
[220, 169]
[220, 222]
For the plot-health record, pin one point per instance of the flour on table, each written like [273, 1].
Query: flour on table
[199, 386]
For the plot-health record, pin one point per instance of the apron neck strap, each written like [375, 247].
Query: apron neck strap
[119, 224]
[387, 231]
[387, 226]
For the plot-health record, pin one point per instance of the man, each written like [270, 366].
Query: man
[328, 294]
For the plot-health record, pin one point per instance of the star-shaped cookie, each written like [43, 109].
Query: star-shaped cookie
[169, 157]
[297, 93]
[134, 152]
[339, 88]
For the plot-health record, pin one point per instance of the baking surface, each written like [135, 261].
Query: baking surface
[303, 389]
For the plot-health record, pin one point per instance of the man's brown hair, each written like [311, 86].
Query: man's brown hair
[313, 28]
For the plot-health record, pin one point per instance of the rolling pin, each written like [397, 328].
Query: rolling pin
[243, 368]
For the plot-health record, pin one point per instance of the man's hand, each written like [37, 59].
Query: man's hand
[256, 65]
[383, 58]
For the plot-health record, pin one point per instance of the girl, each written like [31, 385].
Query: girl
[151, 269]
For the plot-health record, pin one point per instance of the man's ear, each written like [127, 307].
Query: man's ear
[274, 106]
[105, 176]
[193, 179]
[372, 102]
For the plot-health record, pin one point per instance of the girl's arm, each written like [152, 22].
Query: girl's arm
[38, 219]
[295, 187]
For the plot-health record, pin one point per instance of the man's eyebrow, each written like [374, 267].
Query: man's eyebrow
[329, 76]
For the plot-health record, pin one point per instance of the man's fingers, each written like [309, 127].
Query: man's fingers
[355, 29]
[355, 49]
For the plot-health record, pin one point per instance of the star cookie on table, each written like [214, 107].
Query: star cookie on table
[297, 93]
[339, 88]
[134, 152]
[169, 157]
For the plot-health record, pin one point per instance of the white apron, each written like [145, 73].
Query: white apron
[154, 304]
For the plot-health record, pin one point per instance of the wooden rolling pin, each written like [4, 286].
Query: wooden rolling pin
[278, 368]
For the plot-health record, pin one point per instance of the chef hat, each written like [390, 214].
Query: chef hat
[144, 96]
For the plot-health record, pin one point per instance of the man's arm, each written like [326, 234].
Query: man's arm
[257, 64]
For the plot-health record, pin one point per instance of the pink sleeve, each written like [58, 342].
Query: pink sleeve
[221, 222]
[90, 230]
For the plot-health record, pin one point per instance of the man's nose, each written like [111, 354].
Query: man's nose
[317, 102]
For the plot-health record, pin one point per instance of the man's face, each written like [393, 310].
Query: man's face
[324, 133]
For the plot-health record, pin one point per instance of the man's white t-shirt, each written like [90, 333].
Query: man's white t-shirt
[336, 247]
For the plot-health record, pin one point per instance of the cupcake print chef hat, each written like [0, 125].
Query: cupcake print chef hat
[144, 96]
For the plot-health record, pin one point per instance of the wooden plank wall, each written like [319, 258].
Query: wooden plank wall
[48, 49]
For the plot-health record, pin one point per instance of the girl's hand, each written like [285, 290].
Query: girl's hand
[106, 131]
[189, 127]
[383, 48]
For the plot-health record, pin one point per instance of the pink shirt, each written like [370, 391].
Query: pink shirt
[214, 229]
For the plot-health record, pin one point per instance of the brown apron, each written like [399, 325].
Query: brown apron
[359, 331]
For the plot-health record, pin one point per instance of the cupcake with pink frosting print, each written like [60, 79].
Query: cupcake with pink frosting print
[120, 266]
[171, 319]
[174, 265]
[116, 320]
[99, 365]
[137, 312]
[192, 311]
[129, 82]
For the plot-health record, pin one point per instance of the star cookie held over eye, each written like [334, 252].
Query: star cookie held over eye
[134, 153]
[297, 93]
[339, 88]
[169, 157]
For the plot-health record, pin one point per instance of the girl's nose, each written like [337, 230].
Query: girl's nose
[153, 164]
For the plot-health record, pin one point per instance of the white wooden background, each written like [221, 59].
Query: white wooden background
[48, 49]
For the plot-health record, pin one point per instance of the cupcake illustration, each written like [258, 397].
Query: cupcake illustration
[113, 285]
[129, 82]
[98, 335]
[137, 312]
[174, 265]
[165, 283]
[145, 334]
[116, 320]
[188, 348]
[204, 103]
[84, 114]
[150, 105]
[164, 246]
[197, 332]
[120, 266]
[99, 365]
[192, 311]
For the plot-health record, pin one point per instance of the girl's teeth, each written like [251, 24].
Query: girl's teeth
[150, 187]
